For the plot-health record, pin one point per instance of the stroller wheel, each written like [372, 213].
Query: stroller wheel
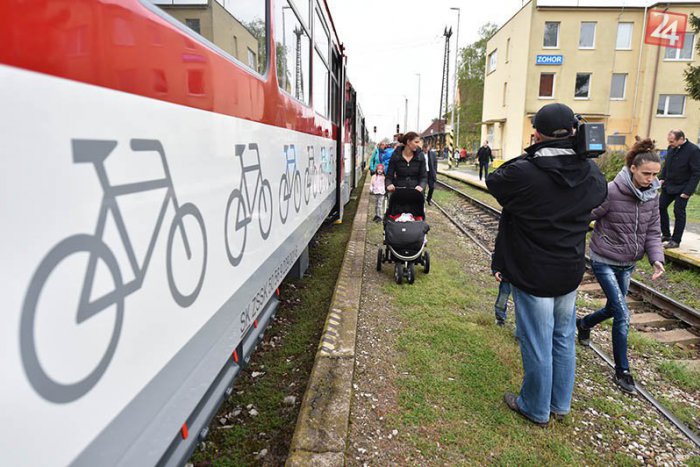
[426, 262]
[380, 259]
[411, 273]
[398, 273]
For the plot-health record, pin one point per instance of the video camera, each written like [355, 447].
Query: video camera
[589, 139]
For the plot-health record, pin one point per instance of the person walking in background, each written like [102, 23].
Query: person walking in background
[484, 156]
[431, 160]
[679, 179]
[627, 226]
[376, 157]
[378, 190]
[547, 196]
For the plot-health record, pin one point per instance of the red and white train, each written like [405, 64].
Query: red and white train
[165, 164]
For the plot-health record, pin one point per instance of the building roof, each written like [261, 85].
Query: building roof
[435, 128]
[603, 3]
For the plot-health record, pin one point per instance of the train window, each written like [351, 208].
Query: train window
[302, 7]
[293, 45]
[320, 85]
[321, 38]
[239, 27]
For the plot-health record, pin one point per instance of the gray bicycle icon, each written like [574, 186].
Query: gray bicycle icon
[312, 179]
[290, 183]
[96, 152]
[244, 205]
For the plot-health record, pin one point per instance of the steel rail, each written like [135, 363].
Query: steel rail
[661, 298]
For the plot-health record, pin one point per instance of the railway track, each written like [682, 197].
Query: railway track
[479, 222]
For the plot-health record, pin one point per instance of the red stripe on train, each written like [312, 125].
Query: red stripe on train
[129, 48]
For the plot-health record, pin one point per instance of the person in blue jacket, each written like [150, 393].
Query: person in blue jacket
[376, 157]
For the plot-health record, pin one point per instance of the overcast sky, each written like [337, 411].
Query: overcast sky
[388, 41]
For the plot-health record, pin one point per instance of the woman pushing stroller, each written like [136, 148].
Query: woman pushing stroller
[407, 168]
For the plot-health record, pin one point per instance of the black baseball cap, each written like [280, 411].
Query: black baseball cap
[555, 120]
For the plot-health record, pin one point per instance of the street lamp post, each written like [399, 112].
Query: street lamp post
[454, 83]
[418, 110]
[405, 114]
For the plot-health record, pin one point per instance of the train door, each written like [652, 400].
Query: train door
[337, 86]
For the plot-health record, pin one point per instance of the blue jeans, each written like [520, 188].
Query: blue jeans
[501, 305]
[546, 330]
[614, 280]
[483, 168]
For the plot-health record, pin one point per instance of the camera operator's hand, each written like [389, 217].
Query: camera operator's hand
[391, 188]
[419, 188]
[498, 276]
[658, 270]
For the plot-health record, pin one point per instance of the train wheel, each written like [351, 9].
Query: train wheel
[426, 262]
[380, 259]
[411, 273]
[398, 273]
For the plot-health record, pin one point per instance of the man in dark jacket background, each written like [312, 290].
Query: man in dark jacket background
[547, 196]
[484, 156]
[431, 157]
[680, 176]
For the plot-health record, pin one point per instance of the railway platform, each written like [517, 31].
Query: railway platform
[415, 374]
[688, 252]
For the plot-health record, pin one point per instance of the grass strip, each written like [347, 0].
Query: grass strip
[286, 365]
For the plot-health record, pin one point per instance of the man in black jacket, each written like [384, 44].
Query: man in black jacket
[680, 177]
[547, 196]
[431, 157]
[484, 155]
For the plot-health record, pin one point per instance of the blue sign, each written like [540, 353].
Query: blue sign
[549, 60]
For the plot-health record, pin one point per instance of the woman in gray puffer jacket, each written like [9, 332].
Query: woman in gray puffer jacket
[627, 227]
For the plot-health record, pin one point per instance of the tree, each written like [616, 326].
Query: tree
[471, 85]
[692, 73]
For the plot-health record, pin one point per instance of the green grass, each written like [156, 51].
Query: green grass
[686, 414]
[458, 366]
[287, 366]
[681, 375]
[678, 282]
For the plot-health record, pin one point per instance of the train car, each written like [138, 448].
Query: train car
[165, 165]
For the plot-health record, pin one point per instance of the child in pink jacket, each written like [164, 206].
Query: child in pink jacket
[376, 187]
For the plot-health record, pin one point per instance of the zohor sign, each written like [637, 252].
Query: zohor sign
[666, 29]
[549, 60]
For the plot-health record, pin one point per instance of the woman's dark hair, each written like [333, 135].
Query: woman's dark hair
[643, 151]
[410, 136]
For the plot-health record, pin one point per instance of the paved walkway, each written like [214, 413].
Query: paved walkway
[689, 251]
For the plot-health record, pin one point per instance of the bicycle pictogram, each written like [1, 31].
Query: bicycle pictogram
[290, 184]
[244, 205]
[311, 176]
[96, 152]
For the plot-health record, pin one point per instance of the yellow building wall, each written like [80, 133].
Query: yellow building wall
[628, 116]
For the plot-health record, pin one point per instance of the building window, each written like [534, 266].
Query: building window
[507, 49]
[671, 105]
[624, 36]
[616, 140]
[583, 86]
[551, 35]
[193, 24]
[252, 63]
[493, 60]
[505, 93]
[587, 38]
[618, 85]
[489, 133]
[686, 53]
[546, 85]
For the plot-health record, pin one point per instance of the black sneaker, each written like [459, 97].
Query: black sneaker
[511, 401]
[672, 244]
[665, 238]
[500, 322]
[584, 335]
[560, 417]
[625, 381]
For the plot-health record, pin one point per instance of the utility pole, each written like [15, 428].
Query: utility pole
[418, 110]
[454, 84]
[444, 91]
[405, 114]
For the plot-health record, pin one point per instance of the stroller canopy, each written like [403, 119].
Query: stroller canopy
[406, 200]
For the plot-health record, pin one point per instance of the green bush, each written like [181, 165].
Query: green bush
[610, 163]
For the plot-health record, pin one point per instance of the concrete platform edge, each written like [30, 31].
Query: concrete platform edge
[322, 426]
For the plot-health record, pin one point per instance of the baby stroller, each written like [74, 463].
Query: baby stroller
[404, 235]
